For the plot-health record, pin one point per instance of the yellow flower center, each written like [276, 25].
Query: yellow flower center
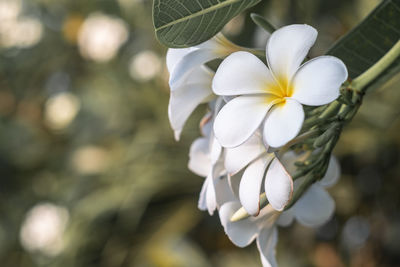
[278, 91]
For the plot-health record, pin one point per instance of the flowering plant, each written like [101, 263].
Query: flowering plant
[273, 119]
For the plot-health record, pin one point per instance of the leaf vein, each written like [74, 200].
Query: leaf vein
[199, 13]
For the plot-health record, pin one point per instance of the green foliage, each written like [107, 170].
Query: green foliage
[187, 23]
[370, 41]
[262, 22]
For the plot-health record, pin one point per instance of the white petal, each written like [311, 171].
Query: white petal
[219, 191]
[266, 243]
[286, 218]
[223, 191]
[187, 63]
[215, 150]
[332, 174]
[318, 81]
[287, 48]
[241, 233]
[238, 157]
[250, 186]
[206, 124]
[315, 207]
[202, 203]
[283, 123]
[174, 55]
[242, 73]
[234, 183]
[210, 196]
[278, 185]
[183, 102]
[199, 160]
[200, 75]
[239, 119]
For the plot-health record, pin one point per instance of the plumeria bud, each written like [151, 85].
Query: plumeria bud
[331, 111]
[241, 213]
[326, 136]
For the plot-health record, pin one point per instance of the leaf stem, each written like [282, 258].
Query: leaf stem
[359, 84]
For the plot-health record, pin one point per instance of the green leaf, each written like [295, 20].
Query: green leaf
[370, 40]
[183, 23]
[262, 22]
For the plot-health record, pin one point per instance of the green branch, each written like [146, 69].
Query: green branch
[359, 84]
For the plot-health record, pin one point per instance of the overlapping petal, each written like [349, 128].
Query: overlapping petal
[199, 159]
[215, 150]
[285, 218]
[287, 47]
[239, 119]
[234, 183]
[278, 185]
[250, 185]
[241, 233]
[239, 157]
[187, 63]
[266, 244]
[183, 102]
[202, 203]
[223, 190]
[242, 73]
[318, 81]
[283, 123]
[174, 56]
[210, 195]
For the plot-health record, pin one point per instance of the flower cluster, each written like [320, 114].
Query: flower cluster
[255, 113]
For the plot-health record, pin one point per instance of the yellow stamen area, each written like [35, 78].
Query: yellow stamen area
[278, 90]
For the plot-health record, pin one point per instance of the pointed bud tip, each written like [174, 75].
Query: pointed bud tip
[239, 215]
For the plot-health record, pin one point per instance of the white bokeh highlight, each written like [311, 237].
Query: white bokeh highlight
[43, 228]
[61, 110]
[101, 36]
[145, 66]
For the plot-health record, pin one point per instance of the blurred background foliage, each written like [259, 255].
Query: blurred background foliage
[90, 174]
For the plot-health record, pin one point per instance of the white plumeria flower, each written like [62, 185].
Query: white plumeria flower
[183, 60]
[259, 165]
[274, 94]
[194, 90]
[313, 209]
